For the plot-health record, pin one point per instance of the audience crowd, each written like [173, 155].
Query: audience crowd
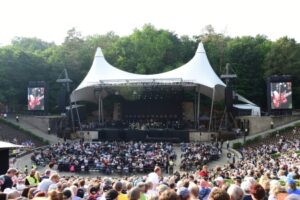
[269, 170]
[107, 157]
[197, 154]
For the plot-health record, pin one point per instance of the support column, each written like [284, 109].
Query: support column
[78, 117]
[99, 109]
[102, 117]
[72, 117]
[198, 109]
[195, 112]
[211, 109]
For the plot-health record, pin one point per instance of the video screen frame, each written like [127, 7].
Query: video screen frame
[36, 98]
[281, 95]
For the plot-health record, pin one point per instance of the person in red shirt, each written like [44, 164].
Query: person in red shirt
[204, 172]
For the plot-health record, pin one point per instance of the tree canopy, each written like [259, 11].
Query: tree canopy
[146, 51]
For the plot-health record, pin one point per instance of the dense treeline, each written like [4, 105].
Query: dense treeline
[146, 51]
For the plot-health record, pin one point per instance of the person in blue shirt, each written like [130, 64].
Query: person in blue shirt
[292, 189]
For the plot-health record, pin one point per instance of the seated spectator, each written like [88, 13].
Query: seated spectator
[218, 194]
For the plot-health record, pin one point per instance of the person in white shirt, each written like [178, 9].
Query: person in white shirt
[154, 177]
[44, 185]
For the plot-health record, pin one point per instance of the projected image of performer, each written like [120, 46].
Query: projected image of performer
[35, 98]
[281, 95]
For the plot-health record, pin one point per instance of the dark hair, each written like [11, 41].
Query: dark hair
[67, 194]
[257, 191]
[80, 193]
[51, 165]
[111, 194]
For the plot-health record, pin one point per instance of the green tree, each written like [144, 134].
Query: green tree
[246, 55]
[284, 59]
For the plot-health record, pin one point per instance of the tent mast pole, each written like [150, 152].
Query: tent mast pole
[198, 108]
[72, 117]
[211, 109]
[99, 109]
[102, 118]
[195, 111]
[78, 117]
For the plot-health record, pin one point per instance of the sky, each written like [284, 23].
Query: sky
[50, 20]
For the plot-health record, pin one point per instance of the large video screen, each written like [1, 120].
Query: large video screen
[36, 98]
[281, 95]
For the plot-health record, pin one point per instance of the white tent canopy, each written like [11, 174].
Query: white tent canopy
[255, 110]
[8, 145]
[197, 71]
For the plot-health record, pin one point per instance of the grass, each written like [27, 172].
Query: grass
[29, 133]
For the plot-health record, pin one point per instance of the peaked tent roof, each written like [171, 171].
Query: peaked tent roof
[197, 71]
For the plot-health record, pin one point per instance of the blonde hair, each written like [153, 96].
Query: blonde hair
[265, 182]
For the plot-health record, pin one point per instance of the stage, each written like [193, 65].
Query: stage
[152, 135]
[155, 135]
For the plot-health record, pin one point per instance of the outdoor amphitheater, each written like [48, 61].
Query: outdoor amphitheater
[186, 133]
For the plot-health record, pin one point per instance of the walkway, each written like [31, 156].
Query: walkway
[264, 133]
[51, 138]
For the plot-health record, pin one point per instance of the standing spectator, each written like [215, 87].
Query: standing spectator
[45, 184]
[154, 177]
[31, 180]
[17, 118]
[204, 172]
[7, 179]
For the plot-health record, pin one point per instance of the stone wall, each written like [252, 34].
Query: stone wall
[263, 123]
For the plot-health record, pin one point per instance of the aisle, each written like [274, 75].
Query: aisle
[178, 160]
[221, 161]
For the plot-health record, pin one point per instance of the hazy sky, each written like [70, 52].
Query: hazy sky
[50, 19]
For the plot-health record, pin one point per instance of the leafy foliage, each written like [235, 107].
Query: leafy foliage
[146, 51]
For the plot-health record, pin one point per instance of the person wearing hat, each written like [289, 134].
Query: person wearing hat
[7, 178]
[292, 189]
